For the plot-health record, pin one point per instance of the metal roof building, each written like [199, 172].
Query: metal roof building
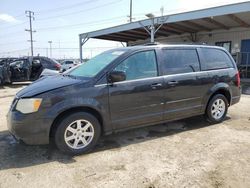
[222, 17]
[203, 25]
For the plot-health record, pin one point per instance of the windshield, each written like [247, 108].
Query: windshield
[93, 66]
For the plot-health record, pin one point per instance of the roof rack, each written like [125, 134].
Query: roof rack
[151, 44]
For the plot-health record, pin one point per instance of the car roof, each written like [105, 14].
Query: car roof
[156, 45]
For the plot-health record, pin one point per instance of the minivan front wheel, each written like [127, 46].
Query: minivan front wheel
[217, 109]
[77, 133]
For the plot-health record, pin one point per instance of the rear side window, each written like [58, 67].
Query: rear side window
[178, 61]
[215, 59]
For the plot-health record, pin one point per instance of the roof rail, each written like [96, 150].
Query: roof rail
[151, 44]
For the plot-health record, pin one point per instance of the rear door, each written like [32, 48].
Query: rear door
[139, 99]
[181, 87]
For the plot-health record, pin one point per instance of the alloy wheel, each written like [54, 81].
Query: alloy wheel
[79, 134]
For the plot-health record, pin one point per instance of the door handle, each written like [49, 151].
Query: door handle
[172, 83]
[156, 85]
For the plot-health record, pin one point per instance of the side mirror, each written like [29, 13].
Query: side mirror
[116, 76]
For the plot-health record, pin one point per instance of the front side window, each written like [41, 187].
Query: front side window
[215, 59]
[177, 61]
[139, 65]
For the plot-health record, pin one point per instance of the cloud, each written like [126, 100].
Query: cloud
[8, 18]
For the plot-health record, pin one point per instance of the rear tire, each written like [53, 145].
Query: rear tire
[77, 133]
[217, 109]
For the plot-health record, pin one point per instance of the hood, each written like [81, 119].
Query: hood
[47, 84]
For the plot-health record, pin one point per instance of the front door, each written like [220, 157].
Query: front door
[139, 99]
[18, 72]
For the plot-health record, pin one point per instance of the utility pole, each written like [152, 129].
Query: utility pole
[131, 7]
[31, 17]
[162, 11]
[50, 47]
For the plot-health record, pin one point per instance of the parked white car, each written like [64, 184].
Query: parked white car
[67, 64]
[48, 72]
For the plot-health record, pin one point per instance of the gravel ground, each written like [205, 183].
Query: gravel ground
[186, 153]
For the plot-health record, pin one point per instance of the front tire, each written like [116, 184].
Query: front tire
[77, 133]
[217, 109]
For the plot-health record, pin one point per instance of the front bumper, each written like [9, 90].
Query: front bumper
[28, 127]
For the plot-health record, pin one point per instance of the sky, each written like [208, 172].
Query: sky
[61, 21]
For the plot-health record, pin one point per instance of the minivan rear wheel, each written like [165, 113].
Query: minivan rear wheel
[217, 109]
[77, 133]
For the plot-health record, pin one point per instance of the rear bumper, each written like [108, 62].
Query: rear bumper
[28, 128]
[235, 100]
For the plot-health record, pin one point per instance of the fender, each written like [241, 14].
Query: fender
[71, 103]
[214, 89]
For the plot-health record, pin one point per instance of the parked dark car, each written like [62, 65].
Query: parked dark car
[25, 69]
[5, 73]
[125, 88]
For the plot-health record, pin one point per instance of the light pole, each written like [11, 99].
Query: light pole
[50, 47]
[152, 27]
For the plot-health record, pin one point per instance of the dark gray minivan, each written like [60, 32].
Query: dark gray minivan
[122, 89]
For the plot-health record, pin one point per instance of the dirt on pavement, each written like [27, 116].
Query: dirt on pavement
[186, 153]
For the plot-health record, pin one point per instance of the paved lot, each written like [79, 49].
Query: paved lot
[186, 153]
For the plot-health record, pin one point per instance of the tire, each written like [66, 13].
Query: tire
[77, 133]
[217, 109]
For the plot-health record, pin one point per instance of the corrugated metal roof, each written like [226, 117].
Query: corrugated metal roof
[222, 17]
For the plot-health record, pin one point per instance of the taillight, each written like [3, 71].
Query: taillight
[238, 79]
[58, 66]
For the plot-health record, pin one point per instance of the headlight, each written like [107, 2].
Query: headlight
[28, 105]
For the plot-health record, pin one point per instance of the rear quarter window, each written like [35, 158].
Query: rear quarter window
[215, 59]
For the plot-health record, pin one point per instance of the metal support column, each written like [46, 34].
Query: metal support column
[82, 41]
[152, 31]
[80, 48]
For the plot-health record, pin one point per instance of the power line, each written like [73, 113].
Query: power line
[84, 23]
[14, 51]
[89, 48]
[104, 21]
[66, 7]
[77, 12]
[14, 25]
[2, 36]
[4, 44]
